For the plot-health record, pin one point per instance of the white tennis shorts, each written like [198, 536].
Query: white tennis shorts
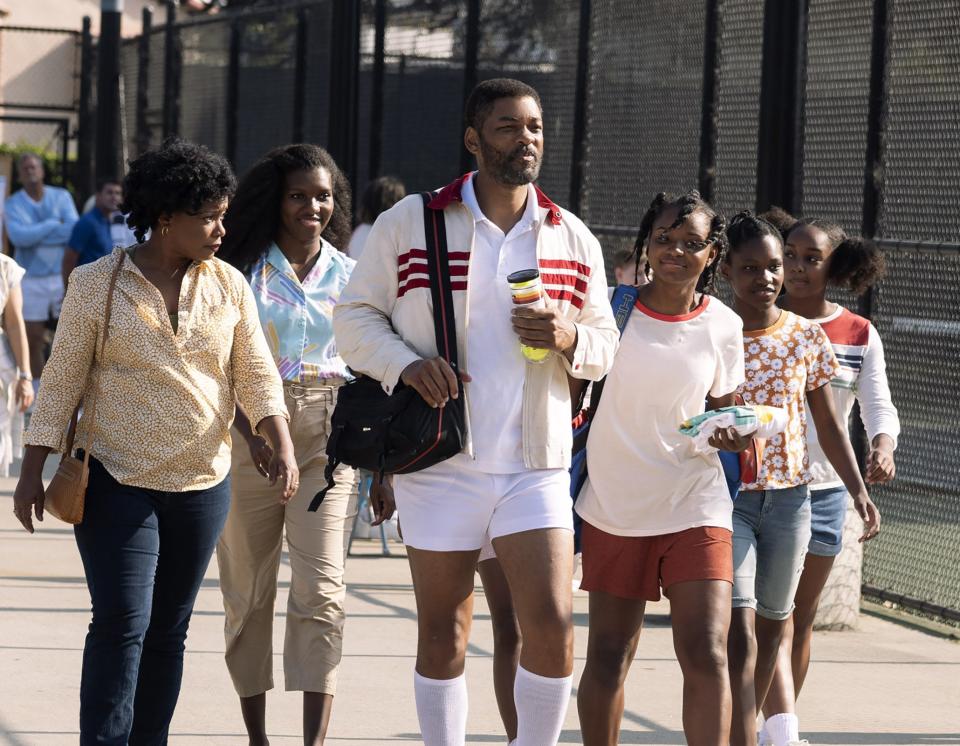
[42, 297]
[451, 507]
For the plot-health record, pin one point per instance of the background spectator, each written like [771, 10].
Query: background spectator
[98, 230]
[39, 221]
[16, 389]
[381, 194]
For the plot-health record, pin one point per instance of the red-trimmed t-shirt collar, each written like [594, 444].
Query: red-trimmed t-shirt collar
[701, 307]
[453, 192]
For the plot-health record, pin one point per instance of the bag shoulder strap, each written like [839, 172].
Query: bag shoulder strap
[71, 433]
[444, 323]
[623, 300]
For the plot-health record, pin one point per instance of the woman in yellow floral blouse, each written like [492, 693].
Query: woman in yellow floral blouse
[185, 345]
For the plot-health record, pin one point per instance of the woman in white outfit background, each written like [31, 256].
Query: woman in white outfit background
[15, 377]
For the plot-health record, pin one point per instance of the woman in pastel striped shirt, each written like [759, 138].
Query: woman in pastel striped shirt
[289, 212]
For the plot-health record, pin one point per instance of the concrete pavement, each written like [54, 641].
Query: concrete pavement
[882, 684]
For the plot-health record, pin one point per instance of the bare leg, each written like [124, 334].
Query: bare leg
[614, 633]
[742, 661]
[37, 342]
[769, 635]
[816, 570]
[700, 612]
[539, 568]
[317, 707]
[443, 585]
[254, 711]
[793, 658]
[506, 640]
[538, 565]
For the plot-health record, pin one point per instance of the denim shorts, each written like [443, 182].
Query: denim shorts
[828, 512]
[771, 531]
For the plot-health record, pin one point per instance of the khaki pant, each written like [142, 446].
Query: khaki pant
[249, 555]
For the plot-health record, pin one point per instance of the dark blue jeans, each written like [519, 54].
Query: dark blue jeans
[144, 554]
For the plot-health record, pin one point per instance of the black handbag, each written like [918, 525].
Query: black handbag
[400, 433]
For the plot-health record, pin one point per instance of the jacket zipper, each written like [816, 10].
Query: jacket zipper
[471, 451]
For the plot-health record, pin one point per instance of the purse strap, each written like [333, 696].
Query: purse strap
[72, 431]
[438, 268]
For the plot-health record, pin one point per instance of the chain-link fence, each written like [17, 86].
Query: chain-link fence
[639, 98]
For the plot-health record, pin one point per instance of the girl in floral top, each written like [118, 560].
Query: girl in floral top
[789, 363]
[290, 212]
[818, 255]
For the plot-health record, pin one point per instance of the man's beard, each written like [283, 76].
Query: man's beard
[504, 169]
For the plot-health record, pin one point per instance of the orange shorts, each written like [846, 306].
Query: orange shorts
[639, 566]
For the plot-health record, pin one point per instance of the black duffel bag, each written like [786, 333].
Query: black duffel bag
[400, 433]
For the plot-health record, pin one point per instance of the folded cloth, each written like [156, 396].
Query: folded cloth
[757, 421]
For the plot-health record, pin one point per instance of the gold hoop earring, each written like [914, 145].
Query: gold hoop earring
[164, 230]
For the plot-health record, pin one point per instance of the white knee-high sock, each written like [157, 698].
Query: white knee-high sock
[541, 707]
[783, 729]
[763, 738]
[441, 709]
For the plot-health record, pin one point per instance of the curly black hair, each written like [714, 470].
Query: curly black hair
[253, 219]
[688, 203]
[855, 263]
[179, 176]
[780, 219]
[745, 226]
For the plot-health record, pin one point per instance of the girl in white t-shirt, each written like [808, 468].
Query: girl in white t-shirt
[656, 510]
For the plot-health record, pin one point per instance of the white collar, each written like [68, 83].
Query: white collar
[530, 214]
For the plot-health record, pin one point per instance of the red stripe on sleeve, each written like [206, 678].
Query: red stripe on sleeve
[575, 300]
[565, 264]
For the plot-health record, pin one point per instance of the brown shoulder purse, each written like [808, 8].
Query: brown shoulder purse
[65, 494]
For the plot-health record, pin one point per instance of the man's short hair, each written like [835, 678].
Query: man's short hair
[104, 182]
[482, 98]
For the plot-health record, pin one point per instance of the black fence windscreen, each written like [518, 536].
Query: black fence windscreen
[837, 94]
[206, 56]
[645, 106]
[738, 104]
[518, 40]
[423, 88]
[646, 97]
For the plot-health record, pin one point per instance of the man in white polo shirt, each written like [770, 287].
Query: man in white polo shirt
[510, 484]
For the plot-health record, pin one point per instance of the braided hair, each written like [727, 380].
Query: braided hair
[745, 227]
[688, 204]
[855, 263]
[253, 219]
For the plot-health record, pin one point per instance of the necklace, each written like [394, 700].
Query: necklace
[176, 271]
[302, 269]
